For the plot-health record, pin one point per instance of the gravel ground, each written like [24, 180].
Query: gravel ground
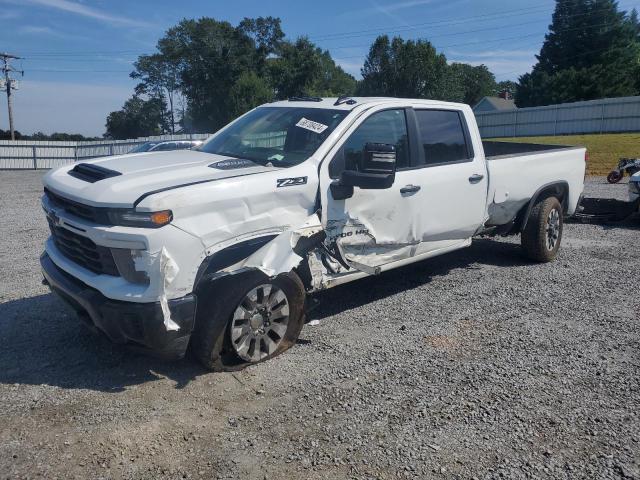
[476, 364]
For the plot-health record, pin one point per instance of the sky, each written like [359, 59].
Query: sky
[77, 54]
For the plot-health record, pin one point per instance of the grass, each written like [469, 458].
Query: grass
[604, 150]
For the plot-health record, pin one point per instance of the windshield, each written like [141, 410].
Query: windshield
[145, 147]
[282, 136]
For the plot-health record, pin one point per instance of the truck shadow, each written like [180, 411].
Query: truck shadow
[481, 252]
[43, 343]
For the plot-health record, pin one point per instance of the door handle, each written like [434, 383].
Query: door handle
[475, 178]
[409, 189]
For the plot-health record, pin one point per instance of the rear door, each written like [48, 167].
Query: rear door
[452, 177]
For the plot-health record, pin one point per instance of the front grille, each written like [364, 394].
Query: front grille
[74, 208]
[83, 251]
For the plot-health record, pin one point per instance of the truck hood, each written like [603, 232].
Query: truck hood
[121, 180]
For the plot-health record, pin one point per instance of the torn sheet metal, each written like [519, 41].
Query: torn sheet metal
[160, 265]
[365, 248]
[168, 271]
[281, 254]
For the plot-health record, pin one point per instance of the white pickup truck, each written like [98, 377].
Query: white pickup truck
[216, 248]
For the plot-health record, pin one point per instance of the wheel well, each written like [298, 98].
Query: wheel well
[560, 190]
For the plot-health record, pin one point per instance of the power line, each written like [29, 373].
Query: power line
[350, 34]
[9, 85]
[477, 42]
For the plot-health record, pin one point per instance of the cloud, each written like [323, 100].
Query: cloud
[65, 106]
[394, 7]
[83, 10]
[388, 9]
[40, 30]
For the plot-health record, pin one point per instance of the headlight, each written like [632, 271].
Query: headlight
[131, 218]
[634, 187]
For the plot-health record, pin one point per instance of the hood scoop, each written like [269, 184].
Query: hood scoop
[92, 173]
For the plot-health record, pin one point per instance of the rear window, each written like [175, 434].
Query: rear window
[442, 136]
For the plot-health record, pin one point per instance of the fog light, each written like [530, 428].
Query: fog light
[126, 262]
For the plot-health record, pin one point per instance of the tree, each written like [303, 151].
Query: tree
[301, 68]
[470, 84]
[409, 69]
[266, 33]
[332, 81]
[590, 52]
[138, 118]
[506, 85]
[248, 92]
[159, 78]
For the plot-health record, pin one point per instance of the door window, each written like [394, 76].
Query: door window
[388, 126]
[443, 137]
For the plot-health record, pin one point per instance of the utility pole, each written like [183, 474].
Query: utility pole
[9, 86]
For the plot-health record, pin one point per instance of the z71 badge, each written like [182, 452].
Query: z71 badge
[291, 182]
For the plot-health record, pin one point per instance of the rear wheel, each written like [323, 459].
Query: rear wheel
[542, 236]
[248, 320]
[614, 176]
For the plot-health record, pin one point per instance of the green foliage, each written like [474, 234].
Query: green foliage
[507, 85]
[159, 78]
[413, 69]
[301, 68]
[207, 72]
[218, 71]
[408, 69]
[249, 91]
[138, 118]
[471, 83]
[590, 52]
[6, 135]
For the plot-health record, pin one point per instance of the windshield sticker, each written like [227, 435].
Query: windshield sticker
[311, 125]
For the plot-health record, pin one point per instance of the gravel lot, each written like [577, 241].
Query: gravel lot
[476, 364]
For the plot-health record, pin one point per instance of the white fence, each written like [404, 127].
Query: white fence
[612, 115]
[32, 154]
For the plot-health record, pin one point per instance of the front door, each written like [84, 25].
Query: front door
[374, 227]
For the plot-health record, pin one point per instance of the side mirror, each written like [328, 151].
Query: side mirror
[379, 158]
[377, 172]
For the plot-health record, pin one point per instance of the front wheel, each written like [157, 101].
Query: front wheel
[542, 236]
[615, 176]
[250, 319]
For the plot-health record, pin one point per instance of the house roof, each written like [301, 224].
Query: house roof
[497, 103]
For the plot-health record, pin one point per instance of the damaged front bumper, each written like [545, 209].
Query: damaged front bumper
[140, 325]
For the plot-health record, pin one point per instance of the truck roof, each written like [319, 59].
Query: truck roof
[329, 102]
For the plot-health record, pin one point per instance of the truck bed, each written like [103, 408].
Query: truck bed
[498, 150]
[518, 170]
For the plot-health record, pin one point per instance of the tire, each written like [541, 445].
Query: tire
[224, 305]
[614, 176]
[542, 236]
